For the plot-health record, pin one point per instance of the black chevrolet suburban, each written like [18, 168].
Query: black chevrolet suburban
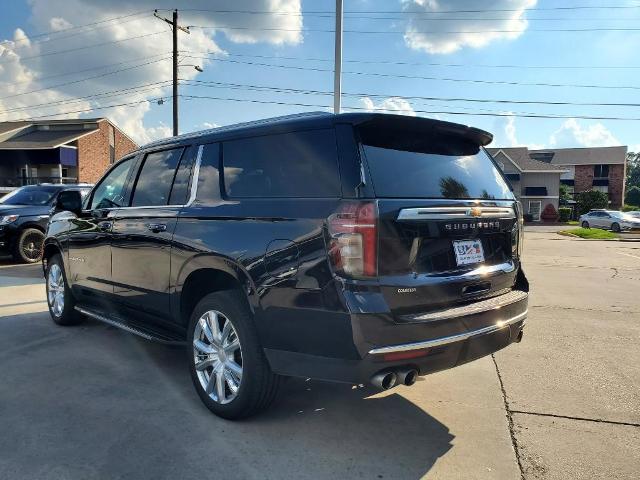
[361, 248]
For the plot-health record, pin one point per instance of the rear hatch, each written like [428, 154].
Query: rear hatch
[448, 227]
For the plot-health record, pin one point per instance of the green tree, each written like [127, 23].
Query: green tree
[590, 200]
[565, 194]
[633, 196]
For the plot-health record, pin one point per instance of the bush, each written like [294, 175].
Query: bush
[590, 200]
[633, 196]
[630, 208]
[565, 214]
[549, 214]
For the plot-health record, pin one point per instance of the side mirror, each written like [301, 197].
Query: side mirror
[69, 201]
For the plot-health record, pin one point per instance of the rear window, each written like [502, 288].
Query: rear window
[299, 164]
[419, 165]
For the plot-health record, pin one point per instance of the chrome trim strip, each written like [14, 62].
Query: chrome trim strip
[451, 339]
[195, 176]
[453, 213]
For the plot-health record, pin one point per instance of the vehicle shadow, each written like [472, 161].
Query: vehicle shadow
[116, 406]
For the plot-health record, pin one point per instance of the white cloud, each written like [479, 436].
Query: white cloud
[210, 125]
[162, 130]
[430, 28]
[24, 62]
[399, 106]
[573, 134]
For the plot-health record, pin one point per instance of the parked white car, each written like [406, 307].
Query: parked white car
[609, 220]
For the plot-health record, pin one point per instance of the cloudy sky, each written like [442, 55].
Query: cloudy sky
[495, 64]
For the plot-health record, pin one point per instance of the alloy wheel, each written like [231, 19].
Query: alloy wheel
[32, 246]
[217, 356]
[55, 290]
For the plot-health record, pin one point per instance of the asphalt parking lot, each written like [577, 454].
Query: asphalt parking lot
[93, 402]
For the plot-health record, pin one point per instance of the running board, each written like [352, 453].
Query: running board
[165, 337]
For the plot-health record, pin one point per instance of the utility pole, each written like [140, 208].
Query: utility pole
[337, 79]
[174, 27]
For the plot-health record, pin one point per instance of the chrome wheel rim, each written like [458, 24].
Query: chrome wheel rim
[217, 356]
[55, 290]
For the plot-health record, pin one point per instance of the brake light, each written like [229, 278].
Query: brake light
[353, 239]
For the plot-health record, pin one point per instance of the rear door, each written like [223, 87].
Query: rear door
[447, 219]
[142, 232]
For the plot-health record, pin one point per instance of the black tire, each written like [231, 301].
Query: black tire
[585, 224]
[259, 385]
[68, 315]
[615, 226]
[28, 247]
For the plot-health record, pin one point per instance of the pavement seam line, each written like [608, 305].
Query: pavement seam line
[512, 433]
[583, 419]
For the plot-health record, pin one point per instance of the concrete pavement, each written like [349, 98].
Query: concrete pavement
[93, 402]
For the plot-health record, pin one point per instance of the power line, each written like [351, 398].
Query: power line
[136, 89]
[82, 79]
[76, 27]
[419, 77]
[59, 52]
[496, 114]
[85, 110]
[99, 67]
[421, 64]
[328, 30]
[56, 38]
[411, 97]
[421, 12]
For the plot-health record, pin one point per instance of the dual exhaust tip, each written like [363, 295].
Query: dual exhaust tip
[389, 379]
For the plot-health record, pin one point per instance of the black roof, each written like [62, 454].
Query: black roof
[315, 120]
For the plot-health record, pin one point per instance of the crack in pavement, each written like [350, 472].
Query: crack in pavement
[512, 434]
[561, 307]
[583, 419]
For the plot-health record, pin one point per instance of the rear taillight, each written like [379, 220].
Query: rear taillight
[353, 239]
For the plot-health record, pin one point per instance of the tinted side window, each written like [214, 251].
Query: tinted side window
[108, 194]
[300, 164]
[156, 177]
[208, 175]
[180, 189]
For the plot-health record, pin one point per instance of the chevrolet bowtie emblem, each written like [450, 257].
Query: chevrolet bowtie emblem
[475, 212]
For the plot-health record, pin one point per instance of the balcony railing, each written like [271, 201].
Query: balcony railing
[22, 181]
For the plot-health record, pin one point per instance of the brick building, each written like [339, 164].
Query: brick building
[58, 151]
[593, 168]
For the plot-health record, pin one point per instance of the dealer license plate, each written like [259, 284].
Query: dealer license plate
[468, 252]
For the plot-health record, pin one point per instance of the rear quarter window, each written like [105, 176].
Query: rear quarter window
[299, 164]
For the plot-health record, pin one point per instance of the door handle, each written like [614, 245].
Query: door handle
[105, 226]
[157, 227]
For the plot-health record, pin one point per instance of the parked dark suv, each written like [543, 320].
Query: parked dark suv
[24, 214]
[352, 248]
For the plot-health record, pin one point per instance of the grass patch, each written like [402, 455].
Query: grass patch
[589, 233]
[573, 222]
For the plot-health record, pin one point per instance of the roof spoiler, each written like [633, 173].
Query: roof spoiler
[475, 135]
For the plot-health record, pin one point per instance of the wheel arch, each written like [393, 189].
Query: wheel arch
[208, 275]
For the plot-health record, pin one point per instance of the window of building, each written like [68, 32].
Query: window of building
[601, 171]
[535, 191]
[601, 188]
[299, 164]
[153, 185]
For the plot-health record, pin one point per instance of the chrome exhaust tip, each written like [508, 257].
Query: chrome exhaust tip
[384, 380]
[407, 376]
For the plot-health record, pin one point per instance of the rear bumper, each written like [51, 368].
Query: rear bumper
[428, 346]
